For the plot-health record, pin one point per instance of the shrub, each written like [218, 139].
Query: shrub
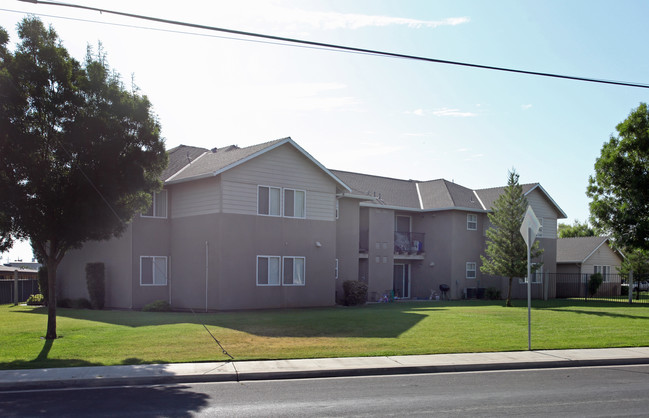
[157, 306]
[81, 303]
[42, 283]
[36, 299]
[95, 282]
[492, 293]
[64, 303]
[355, 292]
[594, 283]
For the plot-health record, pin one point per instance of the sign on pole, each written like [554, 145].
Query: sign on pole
[529, 228]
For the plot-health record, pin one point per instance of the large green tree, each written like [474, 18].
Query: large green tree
[79, 153]
[577, 229]
[506, 253]
[620, 187]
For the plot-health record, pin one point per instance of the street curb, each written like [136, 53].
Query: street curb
[98, 382]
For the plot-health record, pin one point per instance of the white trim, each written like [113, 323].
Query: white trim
[421, 202]
[479, 200]
[281, 205]
[538, 186]
[467, 222]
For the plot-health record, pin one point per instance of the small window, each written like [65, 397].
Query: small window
[153, 271]
[293, 271]
[158, 208]
[471, 222]
[539, 234]
[470, 270]
[268, 199]
[336, 269]
[337, 208]
[268, 270]
[294, 203]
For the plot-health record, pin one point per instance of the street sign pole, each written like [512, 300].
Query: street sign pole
[529, 228]
[529, 290]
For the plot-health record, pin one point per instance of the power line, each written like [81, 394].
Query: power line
[338, 47]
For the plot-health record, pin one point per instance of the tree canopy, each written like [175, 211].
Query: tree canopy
[620, 187]
[577, 229]
[79, 153]
[506, 253]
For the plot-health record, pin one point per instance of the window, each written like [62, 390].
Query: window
[603, 270]
[294, 203]
[153, 271]
[337, 208]
[268, 270]
[471, 222]
[336, 269]
[470, 270]
[268, 201]
[540, 233]
[158, 208]
[293, 271]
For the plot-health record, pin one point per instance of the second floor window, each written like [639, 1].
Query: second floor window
[471, 222]
[158, 208]
[470, 270]
[268, 200]
[294, 203]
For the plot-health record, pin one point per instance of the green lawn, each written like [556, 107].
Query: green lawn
[125, 337]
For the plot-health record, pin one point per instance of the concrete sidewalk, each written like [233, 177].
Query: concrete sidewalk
[311, 368]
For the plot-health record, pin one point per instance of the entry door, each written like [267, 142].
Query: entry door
[401, 280]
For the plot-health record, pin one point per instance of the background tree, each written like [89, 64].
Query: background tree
[79, 154]
[637, 261]
[577, 229]
[620, 187]
[506, 253]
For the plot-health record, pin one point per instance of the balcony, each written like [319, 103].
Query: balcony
[409, 245]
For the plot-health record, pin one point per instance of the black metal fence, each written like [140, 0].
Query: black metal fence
[614, 287]
[26, 287]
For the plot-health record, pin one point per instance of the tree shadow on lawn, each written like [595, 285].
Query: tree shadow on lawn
[42, 361]
[370, 321]
[599, 313]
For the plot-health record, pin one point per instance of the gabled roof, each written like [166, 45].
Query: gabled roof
[386, 191]
[489, 196]
[179, 157]
[216, 161]
[578, 249]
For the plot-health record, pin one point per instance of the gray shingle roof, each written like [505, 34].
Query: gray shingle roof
[388, 191]
[218, 159]
[489, 196]
[575, 250]
[179, 157]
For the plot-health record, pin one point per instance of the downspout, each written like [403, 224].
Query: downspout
[207, 269]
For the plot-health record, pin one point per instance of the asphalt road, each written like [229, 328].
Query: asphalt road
[592, 391]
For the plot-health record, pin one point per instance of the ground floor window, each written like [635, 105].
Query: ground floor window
[605, 271]
[290, 268]
[268, 270]
[153, 271]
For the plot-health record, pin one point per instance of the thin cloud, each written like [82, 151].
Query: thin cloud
[526, 106]
[456, 113]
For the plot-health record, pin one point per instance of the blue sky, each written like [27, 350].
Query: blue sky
[385, 116]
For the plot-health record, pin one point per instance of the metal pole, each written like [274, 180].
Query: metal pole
[529, 290]
[631, 287]
[207, 266]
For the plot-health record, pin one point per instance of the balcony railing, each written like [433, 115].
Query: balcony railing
[409, 242]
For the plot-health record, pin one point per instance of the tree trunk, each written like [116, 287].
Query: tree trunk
[52, 264]
[509, 293]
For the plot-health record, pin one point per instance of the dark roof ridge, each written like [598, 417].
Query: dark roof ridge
[502, 187]
[376, 176]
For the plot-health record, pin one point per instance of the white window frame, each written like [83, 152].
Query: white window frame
[471, 222]
[539, 234]
[154, 270]
[155, 198]
[336, 269]
[268, 274]
[474, 269]
[337, 208]
[270, 200]
[295, 192]
[284, 283]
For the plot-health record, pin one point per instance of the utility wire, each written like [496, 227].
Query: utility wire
[337, 47]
